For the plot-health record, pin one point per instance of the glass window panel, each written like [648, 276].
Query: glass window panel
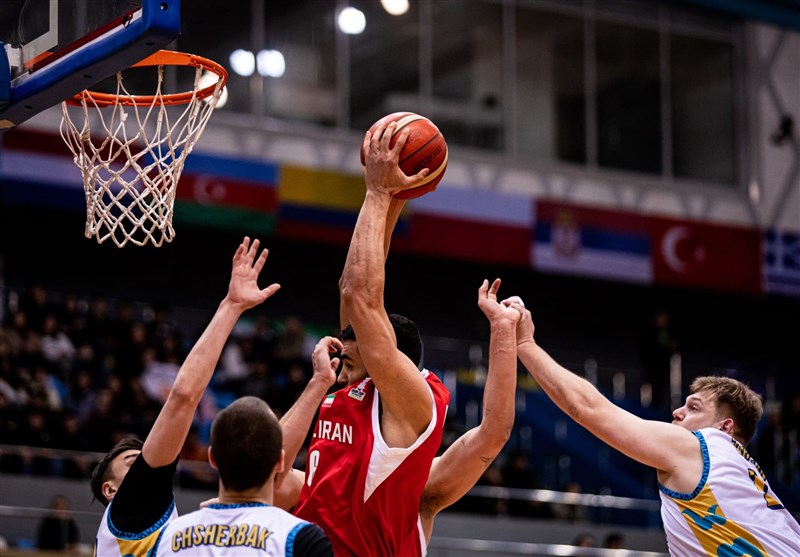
[628, 98]
[303, 32]
[231, 30]
[467, 52]
[703, 131]
[384, 73]
[550, 86]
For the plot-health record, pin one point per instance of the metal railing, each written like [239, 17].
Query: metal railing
[452, 547]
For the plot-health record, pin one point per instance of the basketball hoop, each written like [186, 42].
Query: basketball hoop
[131, 169]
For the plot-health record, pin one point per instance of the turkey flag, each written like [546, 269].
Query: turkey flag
[706, 256]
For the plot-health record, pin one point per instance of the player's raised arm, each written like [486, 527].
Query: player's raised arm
[405, 396]
[396, 206]
[296, 422]
[169, 431]
[474, 451]
[660, 445]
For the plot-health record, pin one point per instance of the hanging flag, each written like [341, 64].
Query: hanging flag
[782, 262]
[588, 242]
[688, 253]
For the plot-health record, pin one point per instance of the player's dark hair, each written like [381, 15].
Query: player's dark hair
[102, 471]
[246, 441]
[409, 341]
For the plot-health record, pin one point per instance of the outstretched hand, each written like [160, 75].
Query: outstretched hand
[323, 360]
[382, 162]
[494, 311]
[525, 326]
[243, 290]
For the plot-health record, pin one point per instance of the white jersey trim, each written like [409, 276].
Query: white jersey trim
[385, 459]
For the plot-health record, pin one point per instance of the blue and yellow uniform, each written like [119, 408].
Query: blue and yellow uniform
[732, 512]
[141, 508]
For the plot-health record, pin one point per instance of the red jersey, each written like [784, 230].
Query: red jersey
[364, 494]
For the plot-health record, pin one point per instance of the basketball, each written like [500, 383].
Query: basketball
[424, 148]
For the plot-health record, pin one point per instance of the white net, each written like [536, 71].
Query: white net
[131, 155]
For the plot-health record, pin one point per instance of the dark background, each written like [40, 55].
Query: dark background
[755, 335]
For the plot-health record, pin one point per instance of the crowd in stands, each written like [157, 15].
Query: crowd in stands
[78, 374]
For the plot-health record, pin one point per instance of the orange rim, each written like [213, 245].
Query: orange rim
[160, 58]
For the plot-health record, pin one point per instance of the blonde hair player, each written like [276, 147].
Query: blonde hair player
[715, 498]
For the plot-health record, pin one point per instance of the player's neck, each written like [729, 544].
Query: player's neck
[262, 494]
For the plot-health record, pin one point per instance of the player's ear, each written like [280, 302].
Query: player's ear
[211, 460]
[109, 489]
[280, 465]
[727, 426]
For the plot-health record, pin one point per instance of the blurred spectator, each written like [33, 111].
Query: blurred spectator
[233, 368]
[585, 540]
[291, 345]
[518, 473]
[43, 390]
[82, 397]
[35, 305]
[129, 356]
[71, 437]
[284, 394]
[259, 382]
[657, 349]
[195, 471]
[158, 375]
[569, 510]
[58, 530]
[57, 348]
[161, 326]
[101, 424]
[263, 339]
[614, 540]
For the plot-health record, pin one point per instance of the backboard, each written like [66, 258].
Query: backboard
[53, 49]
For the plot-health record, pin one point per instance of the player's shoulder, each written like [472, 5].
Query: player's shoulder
[310, 541]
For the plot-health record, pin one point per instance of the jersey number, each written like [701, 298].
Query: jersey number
[762, 486]
[313, 462]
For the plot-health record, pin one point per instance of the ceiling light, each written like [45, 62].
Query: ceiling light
[395, 7]
[243, 62]
[271, 63]
[352, 21]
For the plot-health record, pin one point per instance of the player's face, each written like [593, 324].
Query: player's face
[119, 468]
[353, 369]
[699, 411]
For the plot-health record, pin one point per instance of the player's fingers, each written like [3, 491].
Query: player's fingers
[270, 290]
[495, 287]
[386, 138]
[484, 288]
[251, 253]
[261, 260]
[402, 137]
[334, 345]
[367, 139]
[238, 254]
[419, 175]
[375, 141]
[511, 300]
